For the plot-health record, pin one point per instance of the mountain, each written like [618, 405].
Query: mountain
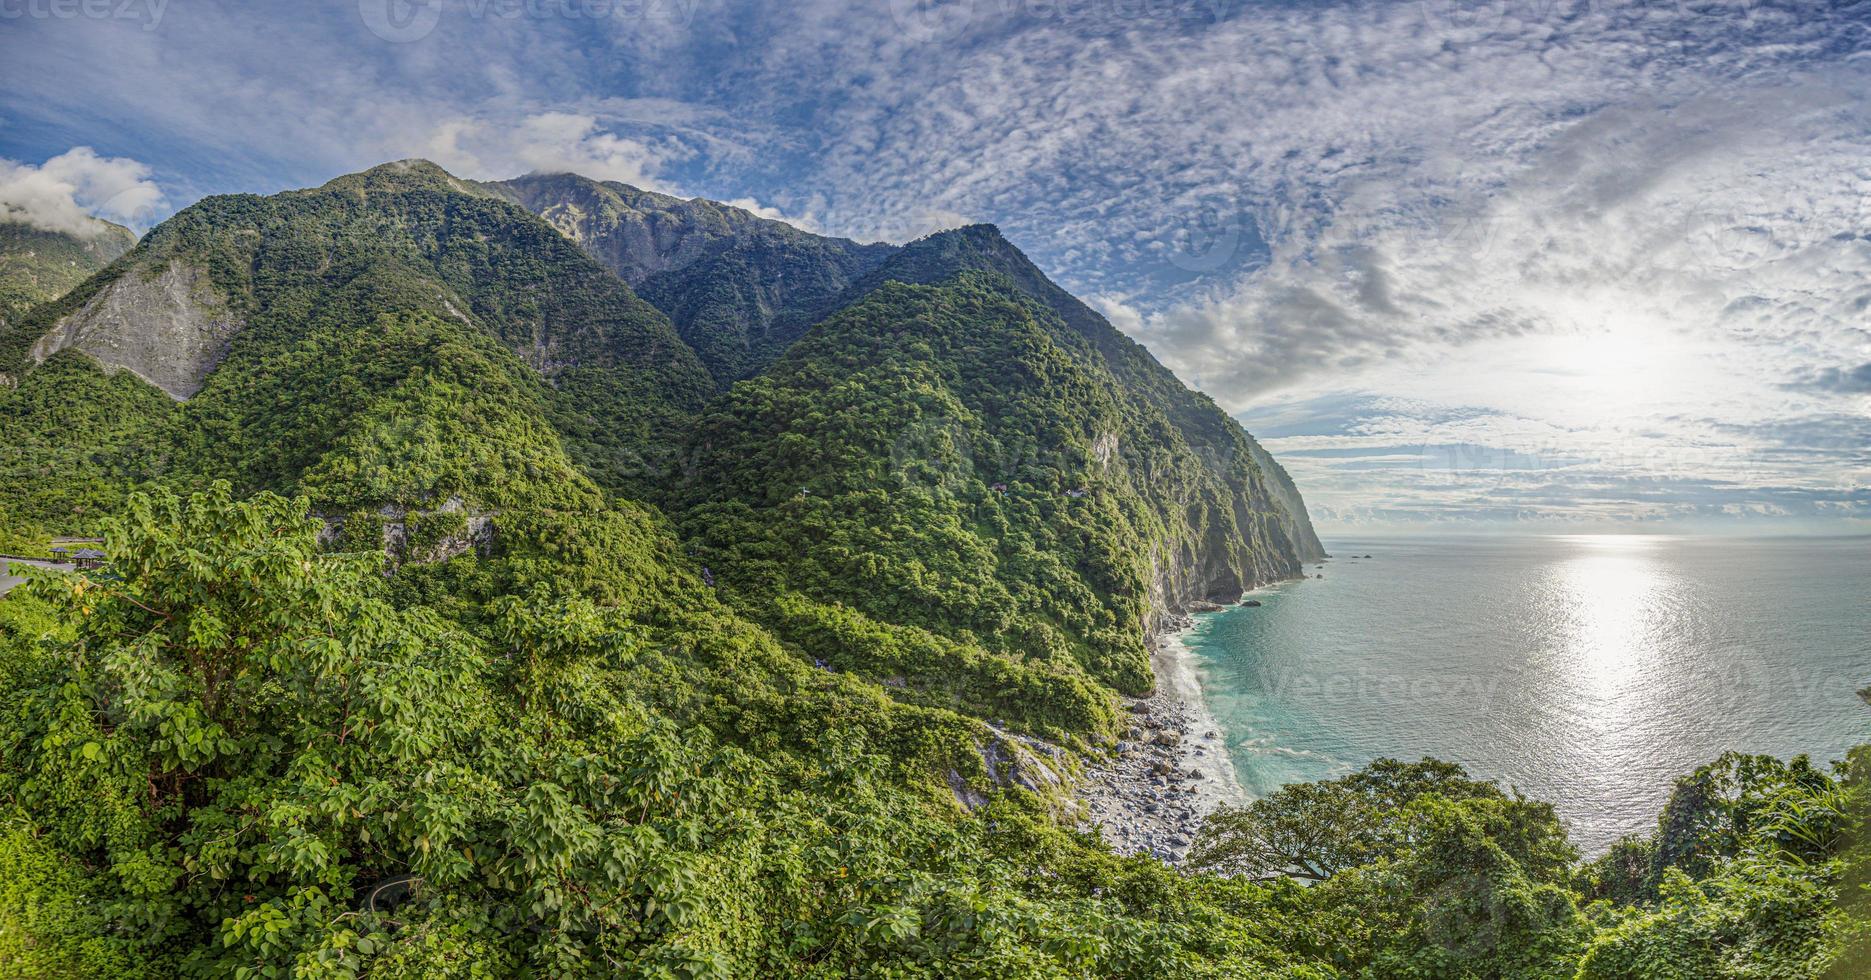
[37, 264]
[950, 451]
[946, 444]
[729, 280]
[762, 628]
[742, 289]
[955, 458]
[392, 338]
[1225, 450]
[987, 459]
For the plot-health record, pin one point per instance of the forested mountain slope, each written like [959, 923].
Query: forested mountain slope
[1225, 449]
[37, 264]
[679, 250]
[951, 457]
[391, 338]
[742, 289]
[727, 278]
[1016, 493]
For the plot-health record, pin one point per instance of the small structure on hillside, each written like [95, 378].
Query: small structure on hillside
[82, 559]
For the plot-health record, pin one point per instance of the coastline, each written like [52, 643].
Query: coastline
[1171, 768]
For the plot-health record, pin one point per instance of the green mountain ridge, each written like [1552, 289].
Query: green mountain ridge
[399, 340]
[310, 314]
[728, 279]
[1249, 524]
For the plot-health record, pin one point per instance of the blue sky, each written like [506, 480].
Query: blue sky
[1532, 261]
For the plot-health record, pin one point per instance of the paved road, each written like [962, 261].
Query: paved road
[8, 580]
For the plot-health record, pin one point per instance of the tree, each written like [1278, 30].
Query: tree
[1455, 902]
[1712, 812]
[1316, 830]
[235, 725]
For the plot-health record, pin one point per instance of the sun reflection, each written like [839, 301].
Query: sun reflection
[1611, 586]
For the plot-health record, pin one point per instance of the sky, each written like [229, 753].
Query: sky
[1499, 263]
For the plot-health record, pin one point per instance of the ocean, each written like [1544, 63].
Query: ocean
[1586, 670]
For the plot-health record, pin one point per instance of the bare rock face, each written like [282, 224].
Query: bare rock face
[1104, 449]
[635, 233]
[1011, 760]
[412, 536]
[169, 329]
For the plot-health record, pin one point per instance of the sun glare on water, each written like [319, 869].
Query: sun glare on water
[1616, 599]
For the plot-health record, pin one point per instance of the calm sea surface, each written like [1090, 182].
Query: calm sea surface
[1587, 670]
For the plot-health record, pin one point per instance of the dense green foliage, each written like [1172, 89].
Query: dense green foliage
[1758, 868]
[507, 640]
[1229, 459]
[955, 459]
[742, 291]
[860, 471]
[216, 756]
[240, 754]
[354, 297]
[73, 437]
[999, 494]
[1316, 830]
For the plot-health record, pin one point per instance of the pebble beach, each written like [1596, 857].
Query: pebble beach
[1170, 768]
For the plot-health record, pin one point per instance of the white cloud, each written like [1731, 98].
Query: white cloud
[547, 142]
[759, 210]
[1631, 236]
[1678, 291]
[67, 192]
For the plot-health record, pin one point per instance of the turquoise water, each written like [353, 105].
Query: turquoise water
[1587, 670]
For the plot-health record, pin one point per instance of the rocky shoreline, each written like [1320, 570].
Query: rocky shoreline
[1171, 766]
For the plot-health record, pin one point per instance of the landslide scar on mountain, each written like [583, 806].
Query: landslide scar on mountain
[169, 329]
